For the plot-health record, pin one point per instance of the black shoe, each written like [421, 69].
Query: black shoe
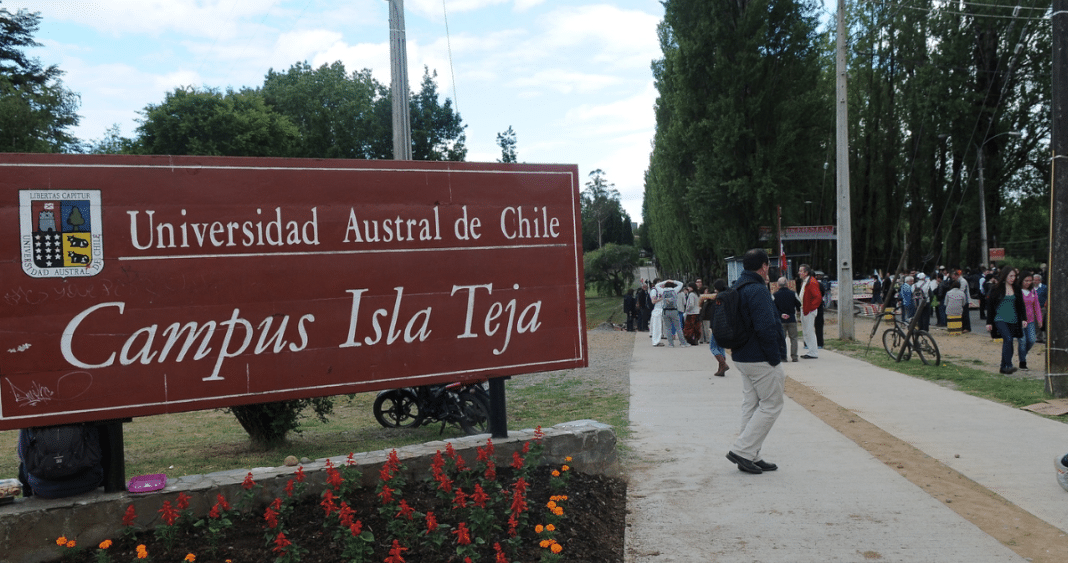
[765, 466]
[1009, 370]
[1023, 366]
[807, 357]
[744, 464]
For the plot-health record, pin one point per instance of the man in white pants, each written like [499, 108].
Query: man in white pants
[810, 297]
[656, 320]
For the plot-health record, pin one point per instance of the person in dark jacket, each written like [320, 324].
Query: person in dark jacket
[1005, 314]
[759, 361]
[630, 309]
[788, 305]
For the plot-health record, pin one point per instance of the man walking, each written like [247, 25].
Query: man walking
[810, 304]
[656, 319]
[759, 361]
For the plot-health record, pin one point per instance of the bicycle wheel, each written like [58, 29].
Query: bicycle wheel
[926, 348]
[397, 408]
[893, 338]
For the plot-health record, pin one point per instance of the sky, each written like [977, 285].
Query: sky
[572, 78]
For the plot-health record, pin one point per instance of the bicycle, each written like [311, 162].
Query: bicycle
[902, 339]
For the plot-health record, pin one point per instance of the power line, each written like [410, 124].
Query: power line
[452, 71]
[944, 11]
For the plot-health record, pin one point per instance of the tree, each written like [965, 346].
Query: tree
[610, 269]
[603, 218]
[36, 111]
[741, 126]
[334, 111]
[112, 143]
[506, 141]
[267, 424]
[211, 123]
[437, 130]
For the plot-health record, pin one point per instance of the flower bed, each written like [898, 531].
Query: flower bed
[465, 510]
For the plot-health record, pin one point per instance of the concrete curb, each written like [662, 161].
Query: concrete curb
[29, 526]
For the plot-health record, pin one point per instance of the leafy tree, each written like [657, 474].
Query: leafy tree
[610, 269]
[742, 125]
[209, 122]
[506, 141]
[603, 218]
[333, 110]
[112, 143]
[437, 130]
[36, 111]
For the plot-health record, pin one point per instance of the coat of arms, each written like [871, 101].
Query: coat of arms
[61, 233]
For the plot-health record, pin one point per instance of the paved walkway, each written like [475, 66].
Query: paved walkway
[831, 500]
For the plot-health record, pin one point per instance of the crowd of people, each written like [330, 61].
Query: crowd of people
[1013, 303]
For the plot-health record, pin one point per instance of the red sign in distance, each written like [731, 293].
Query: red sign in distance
[146, 285]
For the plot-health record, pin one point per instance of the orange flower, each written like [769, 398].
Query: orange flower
[568, 459]
[190, 557]
[559, 511]
[546, 543]
[556, 473]
[61, 541]
[105, 544]
[71, 544]
[551, 504]
[557, 548]
[539, 529]
[565, 468]
[142, 553]
[550, 528]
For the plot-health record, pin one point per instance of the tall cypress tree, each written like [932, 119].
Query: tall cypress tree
[742, 126]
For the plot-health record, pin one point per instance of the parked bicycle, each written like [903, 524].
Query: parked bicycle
[902, 339]
[465, 405]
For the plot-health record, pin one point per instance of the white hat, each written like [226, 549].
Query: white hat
[921, 276]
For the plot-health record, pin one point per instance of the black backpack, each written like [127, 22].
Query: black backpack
[61, 452]
[730, 327]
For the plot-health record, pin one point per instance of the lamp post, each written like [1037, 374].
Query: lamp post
[982, 196]
[398, 62]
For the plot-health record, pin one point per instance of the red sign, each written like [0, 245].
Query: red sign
[145, 285]
[997, 254]
[816, 232]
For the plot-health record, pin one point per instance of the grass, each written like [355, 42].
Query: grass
[212, 440]
[977, 382]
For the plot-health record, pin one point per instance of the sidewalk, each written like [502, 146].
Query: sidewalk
[831, 500]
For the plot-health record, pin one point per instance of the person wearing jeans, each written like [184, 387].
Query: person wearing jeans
[1005, 312]
[1033, 313]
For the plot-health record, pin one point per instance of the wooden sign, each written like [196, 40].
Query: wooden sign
[145, 285]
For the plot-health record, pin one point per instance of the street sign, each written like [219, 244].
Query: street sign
[145, 285]
[997, 254]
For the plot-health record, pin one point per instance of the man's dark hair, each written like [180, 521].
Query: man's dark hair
[754, 259]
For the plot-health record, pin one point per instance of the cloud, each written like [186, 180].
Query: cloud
[434, 10]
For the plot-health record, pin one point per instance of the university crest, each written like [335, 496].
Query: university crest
[61, 233]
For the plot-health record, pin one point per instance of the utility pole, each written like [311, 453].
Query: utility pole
[845, 231]
[985, 261]
[398, 64]
[1057, 304]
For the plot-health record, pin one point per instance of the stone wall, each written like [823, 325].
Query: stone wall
[29, 526]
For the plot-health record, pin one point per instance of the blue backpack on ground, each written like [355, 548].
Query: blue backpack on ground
[730, 326]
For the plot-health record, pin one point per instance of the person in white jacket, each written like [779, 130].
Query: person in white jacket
[666, 302]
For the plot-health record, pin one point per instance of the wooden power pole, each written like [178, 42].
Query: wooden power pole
[845, 231]
[1057, 304]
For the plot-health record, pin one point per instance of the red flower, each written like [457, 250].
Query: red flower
[334, 478]
[405, 510]
[384, 473]
[289, 488]
[300, 474]
[395, 553]
[431, 522]
[386, 495]
[248, 483]
[519, 504]
[513, 524]
[438, 463]
[222, 502]
[500, 554]
[460, 465]
[168, 513]
[450, 451]
[345, 513]
[349, 460]
[538, 434]
[526, 447]
[356, 528]
[460, 501]
[214, 513]
[517, 461]
[281, 543]
[445, 484]
[393, 461]
[479, 497]
[491, 472]
[463, 535]
[271, 516]
[328, 502]
[482, 454]
[129, 517]
[277, 504]
[183, 501]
